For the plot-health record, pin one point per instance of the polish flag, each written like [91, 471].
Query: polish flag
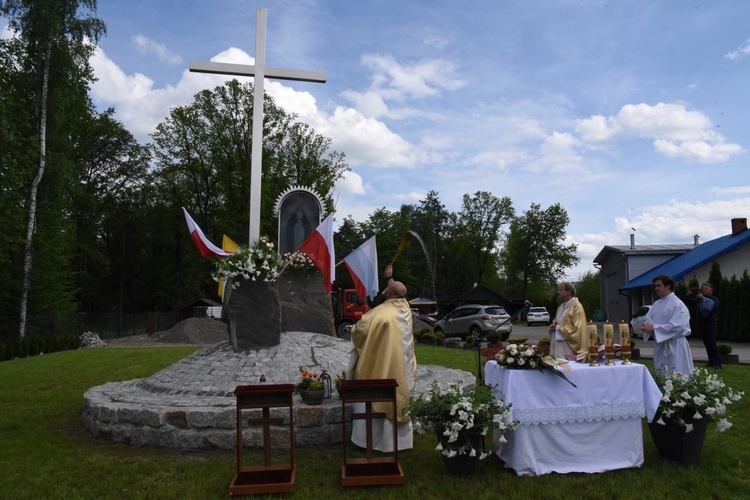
[362, 264]
[319, 247]
[205, 247]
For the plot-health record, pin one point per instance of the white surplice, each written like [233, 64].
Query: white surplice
[671, 320]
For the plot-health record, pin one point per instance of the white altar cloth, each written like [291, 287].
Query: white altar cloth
[595, 427]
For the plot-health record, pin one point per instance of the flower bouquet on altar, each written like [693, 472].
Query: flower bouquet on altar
[530, 357]
[702, 395]
[460, 419]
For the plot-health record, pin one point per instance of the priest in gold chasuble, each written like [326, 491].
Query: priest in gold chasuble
[383, 348]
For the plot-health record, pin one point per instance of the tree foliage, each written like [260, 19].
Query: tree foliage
[535, 251]
[49, 59]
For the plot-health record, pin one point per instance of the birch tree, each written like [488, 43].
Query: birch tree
[57, 38]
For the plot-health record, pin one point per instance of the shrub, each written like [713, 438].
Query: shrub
[422, 333]
[521, 340]
[725, 349]
[494, 337]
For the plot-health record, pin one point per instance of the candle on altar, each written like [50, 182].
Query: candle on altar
[624, 334]
[609, 335]
[593, 336]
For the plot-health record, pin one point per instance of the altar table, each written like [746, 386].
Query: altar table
[595, 427]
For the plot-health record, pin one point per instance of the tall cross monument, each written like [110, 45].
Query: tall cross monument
[260, 72]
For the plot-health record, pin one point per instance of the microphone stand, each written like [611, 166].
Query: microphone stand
[478, 340]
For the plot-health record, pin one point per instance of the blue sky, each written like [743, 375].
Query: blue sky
[631, 114]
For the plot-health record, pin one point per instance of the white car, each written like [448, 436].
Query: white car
[636, 322]
[537, 315]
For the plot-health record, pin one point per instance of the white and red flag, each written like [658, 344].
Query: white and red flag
[362, 264]
[205, 247]
[319, 247]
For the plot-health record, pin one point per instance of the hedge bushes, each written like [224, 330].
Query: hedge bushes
[33, 345]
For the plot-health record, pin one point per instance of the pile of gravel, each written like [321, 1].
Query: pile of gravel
[201, 331]
[91, 339]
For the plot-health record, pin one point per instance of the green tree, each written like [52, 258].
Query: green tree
[112, 166]
[534, 250]
[55, 39]
[430, 221]
[205, 149]
[477, 232]
[202, 155]
[589, 294]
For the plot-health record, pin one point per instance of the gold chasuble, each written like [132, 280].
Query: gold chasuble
[384, 348]
[573, 326]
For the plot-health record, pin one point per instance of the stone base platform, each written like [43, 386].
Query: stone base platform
[190, 405]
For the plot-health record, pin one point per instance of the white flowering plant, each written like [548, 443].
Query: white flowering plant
[528, 357]
[257, 262]
[460, 418]
[297, 261]
[700, 395]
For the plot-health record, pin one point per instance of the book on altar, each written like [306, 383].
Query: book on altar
[581, 358]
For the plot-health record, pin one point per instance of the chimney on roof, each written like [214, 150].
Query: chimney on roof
[739, 225]
[632, 241]
[695, 240]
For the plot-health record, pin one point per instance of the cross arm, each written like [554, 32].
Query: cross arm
[298, 75]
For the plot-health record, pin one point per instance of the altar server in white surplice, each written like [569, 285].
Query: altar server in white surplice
[383, 348]
[668, 322]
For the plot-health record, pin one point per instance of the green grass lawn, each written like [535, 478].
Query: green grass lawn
[45, 452]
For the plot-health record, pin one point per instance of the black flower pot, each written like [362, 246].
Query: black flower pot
[312, 397]
[673, 442]
[462, 465]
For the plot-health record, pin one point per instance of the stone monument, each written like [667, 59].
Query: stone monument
[305, 305]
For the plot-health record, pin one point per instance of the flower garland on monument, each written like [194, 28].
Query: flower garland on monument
[257, 262]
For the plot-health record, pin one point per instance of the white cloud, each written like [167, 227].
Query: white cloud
[697, 151]
[676, 222]
[558, 153]
[146, 45]
[367, 141]
[393, 82]
[676, 131]
[351, 183]
[742, 51]
[411, 197]
[141, 107]
[397, 81]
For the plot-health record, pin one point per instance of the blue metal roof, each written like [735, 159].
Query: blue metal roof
[681, 265]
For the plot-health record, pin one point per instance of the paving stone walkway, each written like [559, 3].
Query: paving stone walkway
[190, 405]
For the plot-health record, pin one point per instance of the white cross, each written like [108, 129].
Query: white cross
[259, 71]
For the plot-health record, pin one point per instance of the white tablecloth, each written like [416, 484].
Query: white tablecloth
[595, 427]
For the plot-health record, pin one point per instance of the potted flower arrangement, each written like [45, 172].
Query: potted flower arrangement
[528, 357]
[257, 262]
[338, 379]
[461, 419]
[311, 388]
[688, 404]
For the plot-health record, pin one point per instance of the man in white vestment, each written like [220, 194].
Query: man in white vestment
[383, 348]
[668, 322]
